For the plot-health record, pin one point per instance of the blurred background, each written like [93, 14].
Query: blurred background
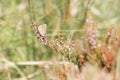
[63, 17]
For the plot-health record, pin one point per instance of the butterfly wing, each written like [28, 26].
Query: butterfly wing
[42, 29]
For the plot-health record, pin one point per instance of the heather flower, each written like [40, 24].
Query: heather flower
[92, 34]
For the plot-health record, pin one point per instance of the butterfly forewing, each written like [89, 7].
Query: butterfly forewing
[42, 29]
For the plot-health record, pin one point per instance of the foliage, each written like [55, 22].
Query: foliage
[84, 32]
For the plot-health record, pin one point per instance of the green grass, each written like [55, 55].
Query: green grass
[19, 43]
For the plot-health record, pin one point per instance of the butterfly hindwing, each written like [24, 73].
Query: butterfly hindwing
[42, 29]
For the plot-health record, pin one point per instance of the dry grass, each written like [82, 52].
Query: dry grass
[81, 43]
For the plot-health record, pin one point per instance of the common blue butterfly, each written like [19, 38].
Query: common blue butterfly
[42, 29]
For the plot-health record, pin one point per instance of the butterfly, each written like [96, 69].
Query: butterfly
[42, 29]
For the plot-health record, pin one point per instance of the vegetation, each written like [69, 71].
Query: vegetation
[81, 41]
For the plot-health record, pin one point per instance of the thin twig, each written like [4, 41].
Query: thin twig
[39, 63]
